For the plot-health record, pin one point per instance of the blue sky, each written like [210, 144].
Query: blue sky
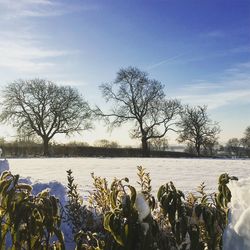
[199, 49]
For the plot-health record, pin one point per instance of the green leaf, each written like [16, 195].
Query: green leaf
[113, 197]
[133, 194]
[118, 239]
[3, 232]
[4, 186]
[5, 175]
[106, 221]
[54, 204]
[160, 192]
[234, 178]
[59, 236]
[126, 230]
[219, 199]
[24, 186]
[34, 241]
[181, 194]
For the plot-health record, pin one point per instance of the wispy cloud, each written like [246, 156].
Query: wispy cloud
[40, 8]
[213, 55]
[241, 49]
[201, 85]
[70, 82]
[233, 87]
[21, 52]
[190, 57]
[22, 8]
[216, 100]
[23, 49]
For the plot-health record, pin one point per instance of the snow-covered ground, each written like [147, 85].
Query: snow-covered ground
[186, 174]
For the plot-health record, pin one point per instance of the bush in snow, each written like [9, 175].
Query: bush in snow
[27, 221]
[77, 215]
[117, 216]
[134, 220]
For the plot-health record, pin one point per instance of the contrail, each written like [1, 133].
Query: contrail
[164, 61]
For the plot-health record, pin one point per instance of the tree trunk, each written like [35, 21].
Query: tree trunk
[45, 146]
[198, 149]
[145, 148]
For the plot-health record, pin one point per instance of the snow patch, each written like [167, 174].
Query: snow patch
[237, 234]
[142, 206]
[55, 188]
[4, 165]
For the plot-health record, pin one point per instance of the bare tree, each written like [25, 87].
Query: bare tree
[140, 100]
[41, 107]
[246, 139]
[211, 147]
[233, 147]
[197, 128]
[159, 144]
[104, 143]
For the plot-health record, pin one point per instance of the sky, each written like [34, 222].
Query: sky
[199, 49]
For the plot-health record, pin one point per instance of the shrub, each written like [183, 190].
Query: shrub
[117, 216]
[134, 220]
[77, 215]
[31, 222]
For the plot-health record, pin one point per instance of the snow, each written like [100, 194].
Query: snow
[186, 174]
[4, 165]
[55, 188]
[142, 206]
[238, 230]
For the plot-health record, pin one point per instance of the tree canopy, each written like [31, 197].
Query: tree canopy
[197, 128]
[104, 143]
[246, 138]
[159, 144]
[43, 108]
[233, 146]
[141, 100]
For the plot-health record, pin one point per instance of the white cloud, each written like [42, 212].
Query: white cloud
[201, 85]
[233, 87]
[22, 48]
[217, 100]
[21, 8]
[74, 83]
[192, 57]
[23, 53]
[40, 8]
[40, 13]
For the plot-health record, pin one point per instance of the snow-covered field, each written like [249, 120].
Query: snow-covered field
[186, 174]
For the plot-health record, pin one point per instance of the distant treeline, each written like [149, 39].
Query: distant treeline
[16, 149]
